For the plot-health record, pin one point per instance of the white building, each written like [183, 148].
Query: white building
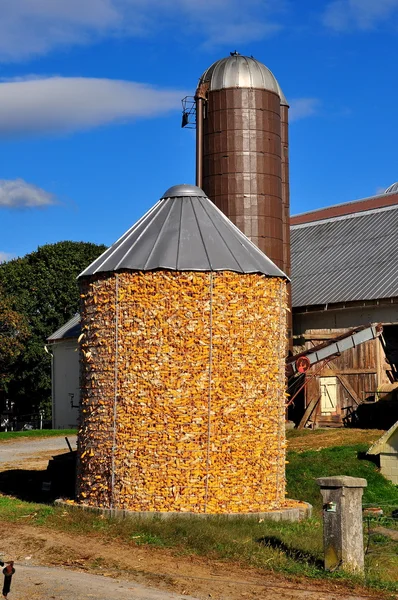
[65, 374]
[387, 448]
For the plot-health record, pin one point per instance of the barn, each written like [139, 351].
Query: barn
[344, 275]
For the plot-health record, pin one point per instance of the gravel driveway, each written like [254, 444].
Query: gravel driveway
[43, 583]
[26, 449]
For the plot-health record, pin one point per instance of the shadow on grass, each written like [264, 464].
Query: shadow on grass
[373, 458]
[25, 485]
[293, 553]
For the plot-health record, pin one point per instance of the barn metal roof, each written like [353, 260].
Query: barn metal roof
[71, 329]
[346, 258]
[237, 71]
[184, 231]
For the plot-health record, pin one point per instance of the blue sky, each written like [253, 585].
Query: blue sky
[90, 105]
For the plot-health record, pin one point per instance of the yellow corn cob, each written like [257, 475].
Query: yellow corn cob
[183, 394]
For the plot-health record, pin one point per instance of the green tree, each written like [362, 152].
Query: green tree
[14, 332]
[42, 287]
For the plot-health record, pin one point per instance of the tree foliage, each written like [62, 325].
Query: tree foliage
[41, 287]
[14, 332]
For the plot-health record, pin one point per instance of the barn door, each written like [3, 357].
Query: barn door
[328, 395]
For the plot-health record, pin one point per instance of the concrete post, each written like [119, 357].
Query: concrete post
[342, 522]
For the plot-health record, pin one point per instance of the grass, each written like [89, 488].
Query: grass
[290, 548]
[34, 433]
[261, 544]
[266, 544]
[305, 467]
[12, 509]
[307, 439]
[382, 559]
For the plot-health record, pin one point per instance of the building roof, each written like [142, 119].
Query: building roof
[382, 445]
[348, 208]
[237, 71]
[71, 329]
[345, 258]
[184, 231]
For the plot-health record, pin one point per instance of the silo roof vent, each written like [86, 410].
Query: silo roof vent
[237, 71]
[183, 189]
[184, 231]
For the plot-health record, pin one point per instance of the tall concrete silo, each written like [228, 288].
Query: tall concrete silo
[183, 371]
[242, 151]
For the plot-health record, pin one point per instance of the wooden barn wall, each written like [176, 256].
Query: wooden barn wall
[356, 371]
[363, 368]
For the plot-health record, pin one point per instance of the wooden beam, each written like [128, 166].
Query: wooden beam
[379, 360]
[308, 412]
[334, 372]
[345, 383]
[309, 337]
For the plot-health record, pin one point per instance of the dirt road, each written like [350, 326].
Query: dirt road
[71, 561]
[43, 583]
[30, 453]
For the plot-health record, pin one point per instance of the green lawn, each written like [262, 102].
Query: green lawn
[304, 468]
[42, 433]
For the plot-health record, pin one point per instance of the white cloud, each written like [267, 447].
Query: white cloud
[345, 15]
[29, 28]
[34, 27]
[300, 108]
[57, 105]
[5, 256]
[17, 193]
[62, 104]
[380, 190]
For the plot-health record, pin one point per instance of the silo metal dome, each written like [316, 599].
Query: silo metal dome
[392, 189]
[237, 71]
